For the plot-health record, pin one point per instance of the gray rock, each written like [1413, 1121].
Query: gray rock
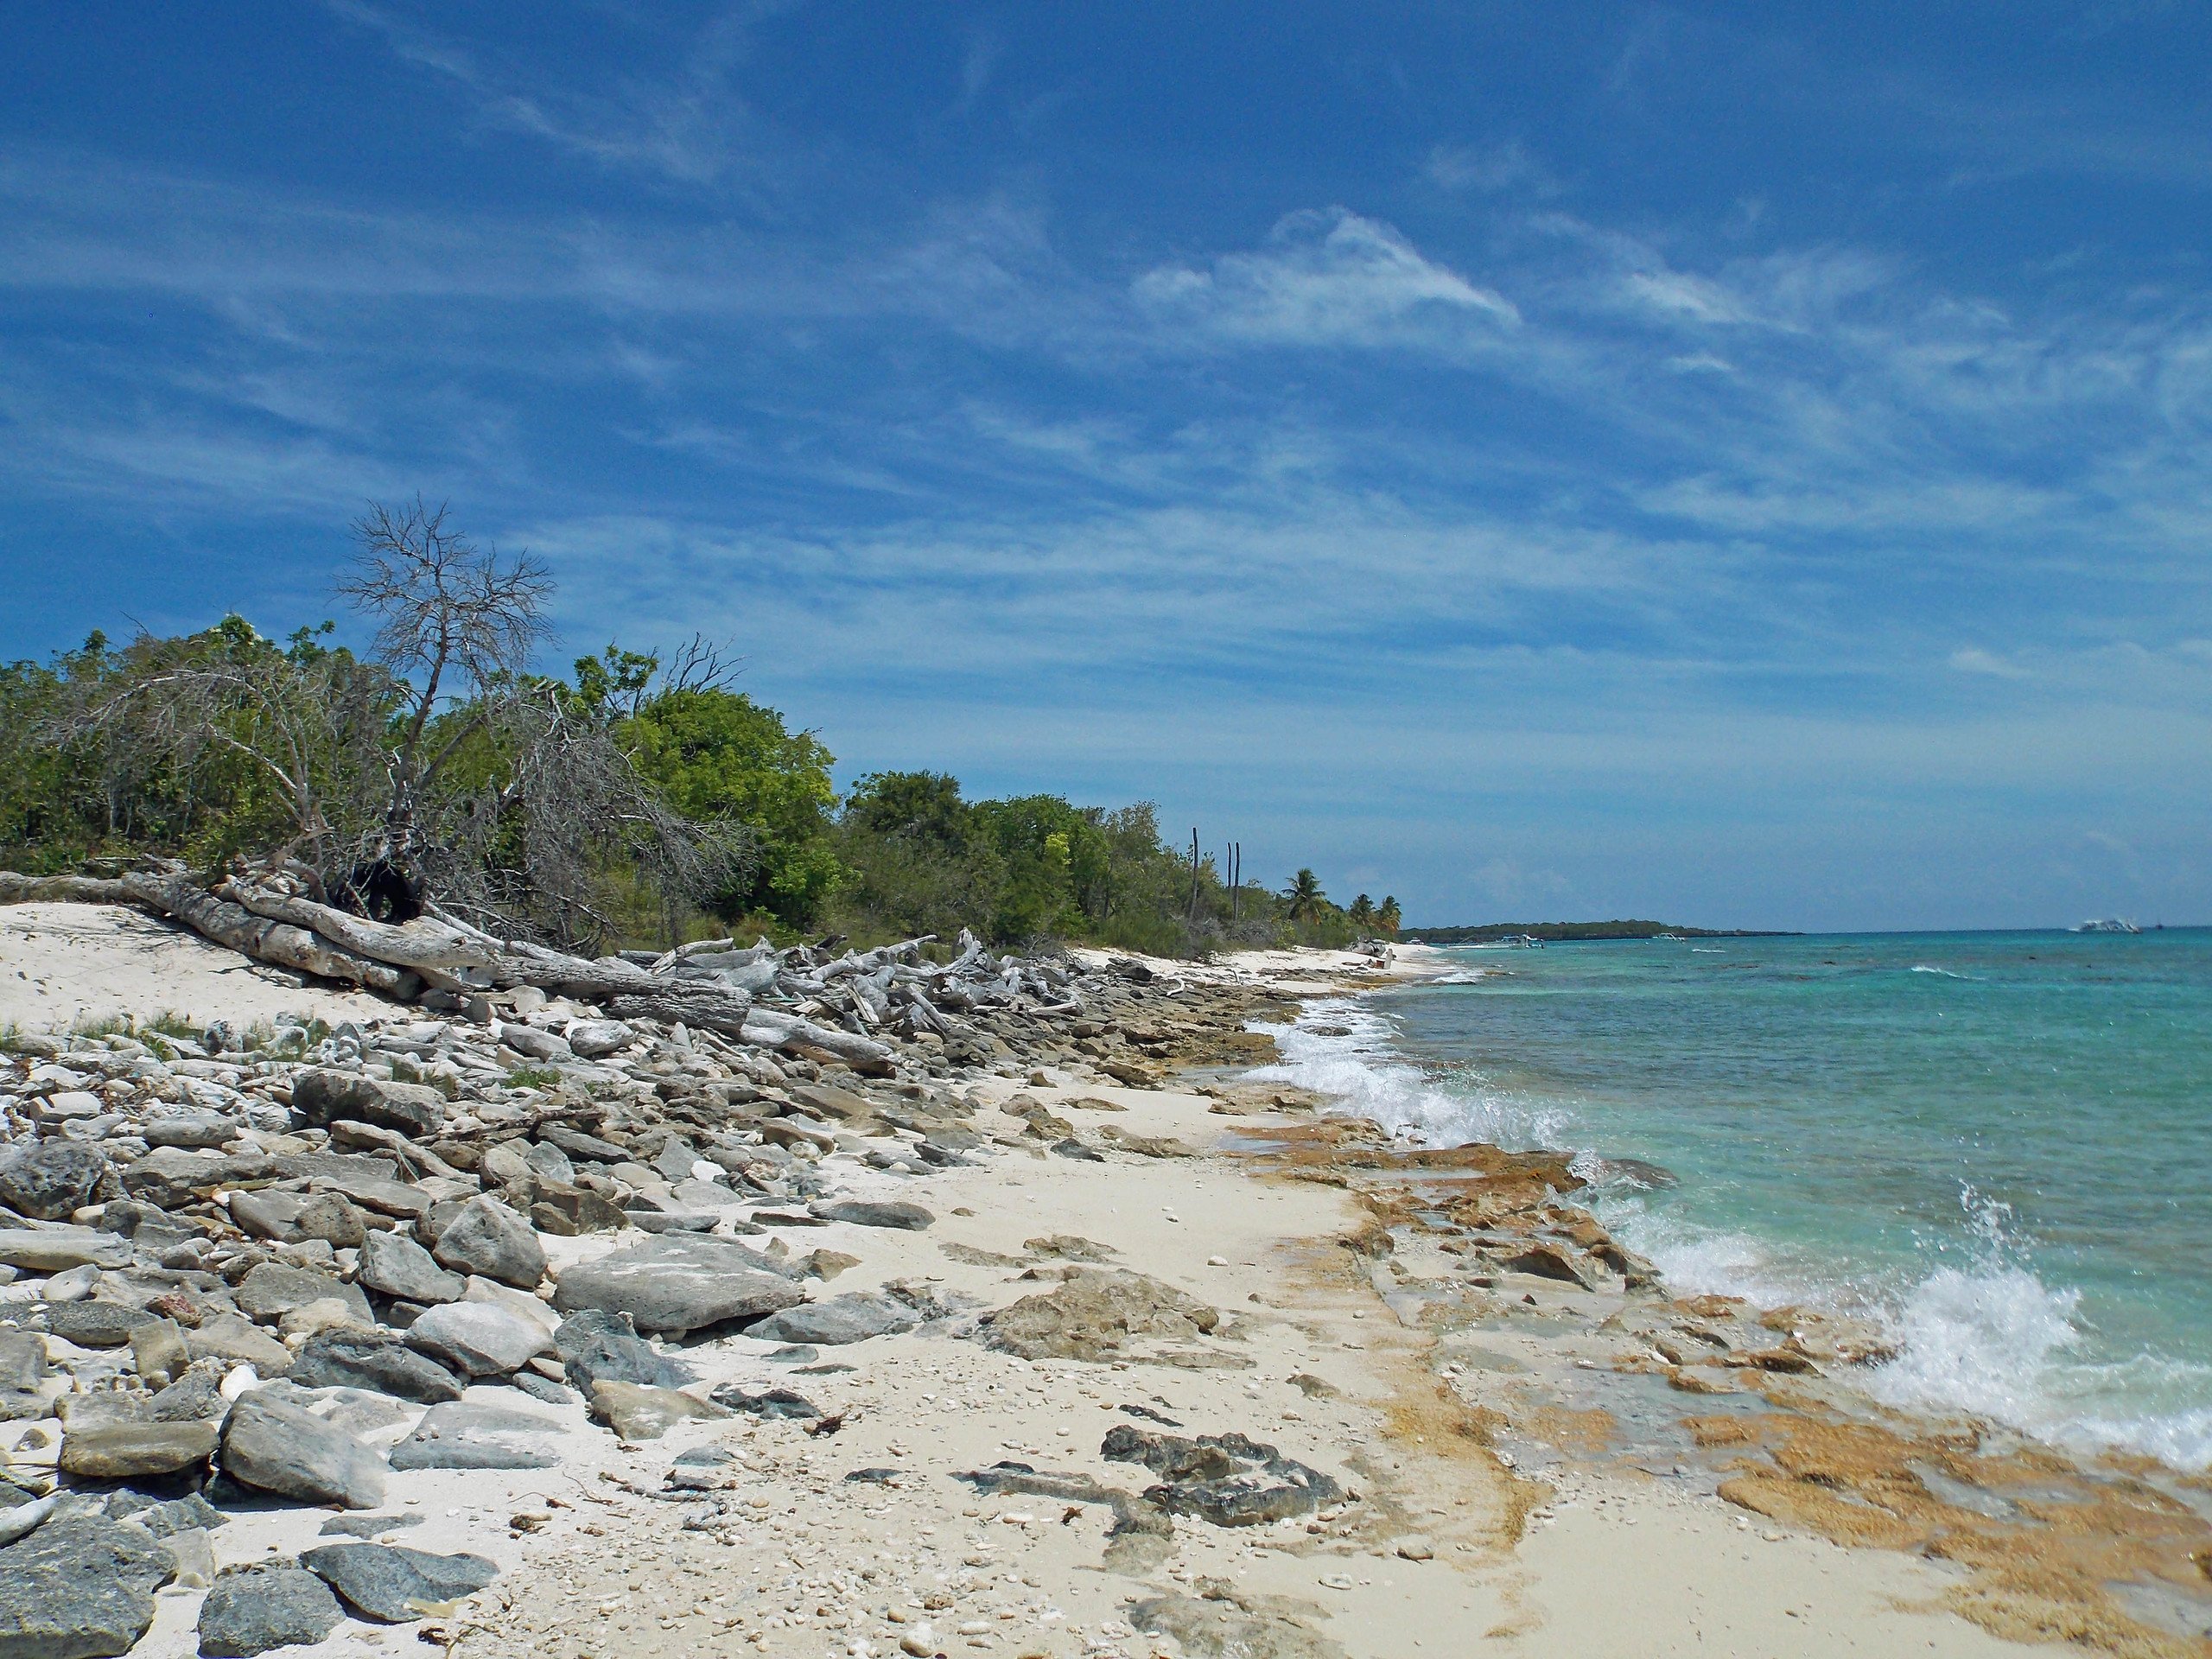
[637, 1413]
[22, 1361]
[169, 1178]
[25, 1513]
[356, 1411]
[396, 1265]
[229, 1337]
[385, 1195]
[50, 1178]
[533, 1044]
[196, 1131]
[366, 1526]
[549, 1161]
[324, 1096]
[195, 1396]
[679, 1282]
[595, 1039]
[674, 1160]
[462, 1436]
[489, 1238]
[544, 1387]
[391, 1583]
[596, 1346]
[565, 1209]
[372, 1359]
[768, 1402]
[333, 1219]
[268, 1214]
[681, 1220]
[123, 1451]
[275, 1447]
[250, 1609]
[57, 1250]
[478, 1338]
[577, 1144]
[851, 1317]
[69, 1106]
[96, 1325]
[503, 1165]
[1227, 1479]
[710, 1195]
[80, 1587]
[271, 1290]
[873, 1213]
[187, 1514]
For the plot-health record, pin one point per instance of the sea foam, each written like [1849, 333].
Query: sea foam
[1986, 1336]
[1349, 1059]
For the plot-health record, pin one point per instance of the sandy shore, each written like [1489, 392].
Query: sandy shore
[1445, 1549]
[66, 966]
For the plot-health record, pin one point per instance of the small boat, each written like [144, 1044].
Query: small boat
[2109, 924]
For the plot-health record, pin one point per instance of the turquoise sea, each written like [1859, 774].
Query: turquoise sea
[1998, 1144]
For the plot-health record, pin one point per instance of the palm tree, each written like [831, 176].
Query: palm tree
[1362, 914]
[1387, 918]
[1306, 896]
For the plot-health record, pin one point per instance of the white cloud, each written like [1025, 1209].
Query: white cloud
[1492, 167]
[1692, 298]
[1327, 278]
[686, 127]
[1972, 659]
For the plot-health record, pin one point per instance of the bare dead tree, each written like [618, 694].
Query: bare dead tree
[454, 625]
[699, 666]
[438, 775]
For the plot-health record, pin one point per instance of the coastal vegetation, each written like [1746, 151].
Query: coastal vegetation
[639, 800]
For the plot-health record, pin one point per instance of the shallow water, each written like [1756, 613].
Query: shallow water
[1999, 1144]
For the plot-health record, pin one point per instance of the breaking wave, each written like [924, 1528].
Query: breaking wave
[1342, 1049]
[1983, 1336]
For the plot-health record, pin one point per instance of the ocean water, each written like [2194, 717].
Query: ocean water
[1999, 1145]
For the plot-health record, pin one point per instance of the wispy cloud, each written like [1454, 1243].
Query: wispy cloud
[1458, 502]
[688, 127]
[1326, 279]
[1492, 167]
[1972, 659]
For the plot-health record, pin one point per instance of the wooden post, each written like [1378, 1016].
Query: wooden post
[1194, 875]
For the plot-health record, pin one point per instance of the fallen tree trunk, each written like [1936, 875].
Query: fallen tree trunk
[448, 954]
[732, 1016]
[285, 944]
[887, 991]
[62, 890]
[425, 943]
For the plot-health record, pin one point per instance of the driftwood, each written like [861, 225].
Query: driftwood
[709, 986]
[265, 939]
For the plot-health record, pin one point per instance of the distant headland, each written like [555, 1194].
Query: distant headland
[1552, 932]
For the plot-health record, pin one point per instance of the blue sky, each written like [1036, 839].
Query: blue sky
[1742, 464]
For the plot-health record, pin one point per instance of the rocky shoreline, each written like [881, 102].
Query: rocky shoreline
[1067, 1343]
[286, 1262]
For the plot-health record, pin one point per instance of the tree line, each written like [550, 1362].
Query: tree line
[639, 800]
